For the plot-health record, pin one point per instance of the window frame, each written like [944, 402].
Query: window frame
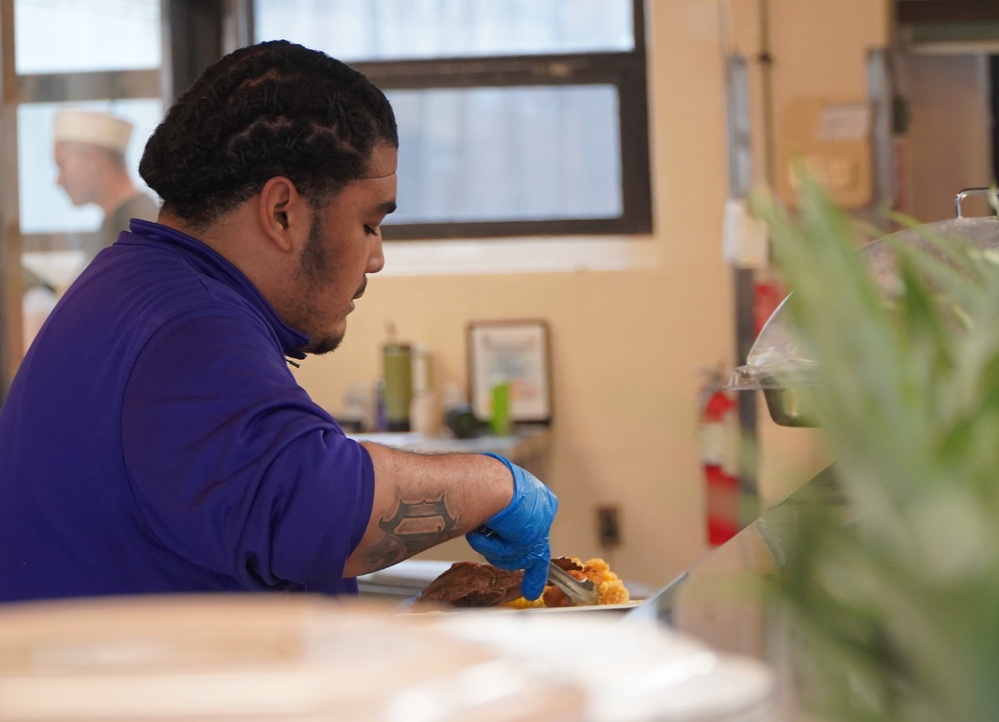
[625, 71]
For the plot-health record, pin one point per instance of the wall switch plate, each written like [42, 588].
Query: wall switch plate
[608, 526]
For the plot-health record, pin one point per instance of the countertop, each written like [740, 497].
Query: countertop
[525, 447]
[722, 598]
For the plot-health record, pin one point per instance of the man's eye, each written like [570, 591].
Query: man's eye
[370, 231]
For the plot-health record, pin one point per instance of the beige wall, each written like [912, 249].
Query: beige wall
[626, 342]
[819, 50]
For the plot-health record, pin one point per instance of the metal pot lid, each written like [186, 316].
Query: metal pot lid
[776, 354]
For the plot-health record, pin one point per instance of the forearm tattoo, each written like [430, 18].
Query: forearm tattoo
[416, 526]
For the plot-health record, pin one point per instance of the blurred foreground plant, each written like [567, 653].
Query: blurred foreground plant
[894, 607]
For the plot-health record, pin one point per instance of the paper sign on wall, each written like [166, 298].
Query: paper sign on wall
[745, 240]
[832, 141]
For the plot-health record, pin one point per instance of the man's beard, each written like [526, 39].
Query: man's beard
[316, 264]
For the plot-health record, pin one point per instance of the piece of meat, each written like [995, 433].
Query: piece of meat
[567, 564]
[470, 584]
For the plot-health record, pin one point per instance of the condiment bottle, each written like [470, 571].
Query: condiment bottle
[397, 374]
[499, 419]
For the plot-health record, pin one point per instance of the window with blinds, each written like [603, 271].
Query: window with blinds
[516, 117]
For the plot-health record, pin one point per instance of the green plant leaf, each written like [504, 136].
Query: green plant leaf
[895, 604]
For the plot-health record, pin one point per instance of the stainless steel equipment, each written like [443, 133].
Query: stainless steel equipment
[777, 364]
[579, 593]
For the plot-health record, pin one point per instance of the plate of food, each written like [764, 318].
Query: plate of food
[474, 585]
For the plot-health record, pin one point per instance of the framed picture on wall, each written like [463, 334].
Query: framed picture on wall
[516, 352]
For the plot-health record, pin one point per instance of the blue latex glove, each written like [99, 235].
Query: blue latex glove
[517, 537]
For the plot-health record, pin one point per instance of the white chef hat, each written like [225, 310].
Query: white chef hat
[94, 127]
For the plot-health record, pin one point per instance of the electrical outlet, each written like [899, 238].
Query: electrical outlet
[608, 526]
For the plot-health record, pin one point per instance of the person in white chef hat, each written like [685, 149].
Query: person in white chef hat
[90, 154]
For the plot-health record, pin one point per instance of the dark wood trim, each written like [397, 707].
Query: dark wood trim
[636, 169]
[95, 85]
[499, 230]
[10, 240]
[192, 40]
[639, 26]
[499, 71]
[946, 11]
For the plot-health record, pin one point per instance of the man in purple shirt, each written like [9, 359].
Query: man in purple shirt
[154, 439]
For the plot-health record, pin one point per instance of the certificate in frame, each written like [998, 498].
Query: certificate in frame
[516, 352]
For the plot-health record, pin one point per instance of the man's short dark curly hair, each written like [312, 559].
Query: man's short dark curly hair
[266, 110]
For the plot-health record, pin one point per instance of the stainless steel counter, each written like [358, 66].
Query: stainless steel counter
[725, 599]
[526, 446]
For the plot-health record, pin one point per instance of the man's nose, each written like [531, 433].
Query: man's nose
[376, 261]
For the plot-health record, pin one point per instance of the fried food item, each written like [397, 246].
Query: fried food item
[471, 584]
[598, 571]
[612, 589]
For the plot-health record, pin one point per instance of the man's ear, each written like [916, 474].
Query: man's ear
[283, 214]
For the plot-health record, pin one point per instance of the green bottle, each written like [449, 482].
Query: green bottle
[499, 422]
[397, 373]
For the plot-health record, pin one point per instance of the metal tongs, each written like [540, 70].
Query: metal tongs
[581, 594]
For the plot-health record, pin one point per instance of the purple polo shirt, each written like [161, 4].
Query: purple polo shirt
[154, 440]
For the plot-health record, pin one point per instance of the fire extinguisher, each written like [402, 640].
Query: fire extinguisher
[718, 426]
[768, 292]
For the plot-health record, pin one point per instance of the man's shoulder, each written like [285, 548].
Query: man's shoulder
[155, 283]
[157, 279]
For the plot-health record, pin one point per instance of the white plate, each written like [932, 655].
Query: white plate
[595, 608]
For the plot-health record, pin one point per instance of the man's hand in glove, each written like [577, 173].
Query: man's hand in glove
[517, 537]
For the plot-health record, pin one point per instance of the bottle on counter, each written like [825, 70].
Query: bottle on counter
[397, 375]
[425, 412]
[499, 418]
[355, 416]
